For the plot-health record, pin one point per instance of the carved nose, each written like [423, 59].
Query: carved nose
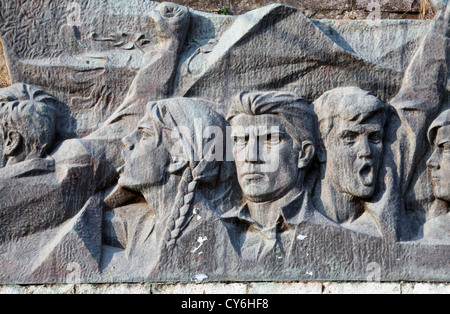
[252, 153]
[128, 142]
[433, 162]
[364, 149]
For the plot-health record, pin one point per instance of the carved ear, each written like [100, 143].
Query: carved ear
[307, 154]
[12, 143]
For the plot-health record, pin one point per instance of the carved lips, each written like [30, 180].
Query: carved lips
[367, 174]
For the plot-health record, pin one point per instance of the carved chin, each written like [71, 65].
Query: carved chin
[129, 183]
[441, 193]
[365, 192]
[124, 182]
[256, 193]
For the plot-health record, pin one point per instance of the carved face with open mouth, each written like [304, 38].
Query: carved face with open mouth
[354, 154]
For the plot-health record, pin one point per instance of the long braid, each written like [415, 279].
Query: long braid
[181, 210]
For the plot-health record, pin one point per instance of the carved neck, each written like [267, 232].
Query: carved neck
[161, 198]
[340, 207]
[267, 213]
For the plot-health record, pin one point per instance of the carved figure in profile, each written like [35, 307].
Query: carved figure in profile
[437, 227]
[46, 185]
[276, 144]
[171, 192]
[28, 134]
[360, 142]
[28, 129]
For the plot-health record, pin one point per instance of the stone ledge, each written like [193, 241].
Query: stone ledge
[340, 9]
[236, 288]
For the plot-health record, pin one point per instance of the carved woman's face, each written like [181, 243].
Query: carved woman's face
[146, 158]
[439, 164]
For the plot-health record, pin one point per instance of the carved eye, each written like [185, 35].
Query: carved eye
[349, 139]
[241, 140]
[445, 147]
[272, 139]
[146, 134]
[376, 137]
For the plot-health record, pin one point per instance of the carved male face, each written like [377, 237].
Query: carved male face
[146, 158]
[439, 164]
[354, 153]
[28, 130]
[268, 160]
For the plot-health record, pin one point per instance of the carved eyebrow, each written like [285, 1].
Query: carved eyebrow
[269, 132]
[442, 142]
[350, 132]
[363, 128]
[239, 134]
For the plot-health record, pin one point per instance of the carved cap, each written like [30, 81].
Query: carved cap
[442, 120]
[189, 118]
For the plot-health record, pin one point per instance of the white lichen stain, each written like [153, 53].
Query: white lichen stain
[200, 277]
[200, 240]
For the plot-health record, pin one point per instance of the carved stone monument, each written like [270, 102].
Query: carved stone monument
[145, 141]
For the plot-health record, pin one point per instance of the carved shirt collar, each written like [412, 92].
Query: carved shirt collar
[290, 216]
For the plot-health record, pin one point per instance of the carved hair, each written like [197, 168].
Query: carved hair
[176, 115]
[293, 109]
[31, 112]
[347, 103]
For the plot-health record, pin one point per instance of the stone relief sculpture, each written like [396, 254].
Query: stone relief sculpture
[352, 124]
[172, 167]
[38, 170]
[272, 167]
[130, 172]
[436, 228]
[362, 134]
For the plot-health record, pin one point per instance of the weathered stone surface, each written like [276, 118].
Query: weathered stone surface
[424, 288]
[5, 79]
[388, 5]
[285, 288]
[326, 7]
[363, 288]
[207, 288]
[148, 142]
[236, 288]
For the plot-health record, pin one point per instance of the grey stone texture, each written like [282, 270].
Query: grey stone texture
[149, 142]
[237, 288]
[317, 8]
